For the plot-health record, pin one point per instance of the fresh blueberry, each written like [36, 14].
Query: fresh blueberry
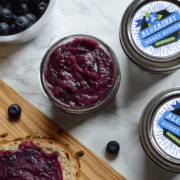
[113, 147]
[23, 8]
[154, 20]
[22, 23]
[147, 19]
[41, 8]
[13, 29]
[4, 28]
[14, 111]
[154, 14]
[32, 18]
[5, 15]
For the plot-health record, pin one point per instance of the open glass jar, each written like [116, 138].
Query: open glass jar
[70, 87]
[149, 34]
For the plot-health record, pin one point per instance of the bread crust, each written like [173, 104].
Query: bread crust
[69, 161]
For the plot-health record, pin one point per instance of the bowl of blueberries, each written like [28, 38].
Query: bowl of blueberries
[22, 20]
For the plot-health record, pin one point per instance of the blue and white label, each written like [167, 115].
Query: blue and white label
[159, 34]
[165, 121]
[159, 25]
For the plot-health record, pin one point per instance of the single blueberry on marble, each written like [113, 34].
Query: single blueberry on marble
[113, 147]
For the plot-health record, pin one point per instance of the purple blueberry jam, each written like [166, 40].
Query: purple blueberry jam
[29, 162]
[79, 73]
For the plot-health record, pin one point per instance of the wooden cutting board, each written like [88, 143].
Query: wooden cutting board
[33, 121]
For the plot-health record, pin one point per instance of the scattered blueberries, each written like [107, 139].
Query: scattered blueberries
[152, 18]
[18, 15]
[113, 147]
[14, 111]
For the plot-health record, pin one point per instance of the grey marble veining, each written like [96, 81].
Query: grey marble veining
[19, 67]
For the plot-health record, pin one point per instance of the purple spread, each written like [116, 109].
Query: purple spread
[79, 73]
[29, 162]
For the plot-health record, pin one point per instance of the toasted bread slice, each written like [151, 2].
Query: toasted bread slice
[69, 161]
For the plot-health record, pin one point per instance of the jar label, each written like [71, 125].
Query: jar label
[155, 28]
[166, 128]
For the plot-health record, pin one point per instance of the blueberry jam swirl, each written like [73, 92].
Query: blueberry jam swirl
[29, 162]
[79, 73]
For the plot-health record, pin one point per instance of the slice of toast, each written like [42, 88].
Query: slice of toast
[69, 161]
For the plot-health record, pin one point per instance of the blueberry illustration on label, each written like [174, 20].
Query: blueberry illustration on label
[154, 14]
[147, 19]
[154, 20]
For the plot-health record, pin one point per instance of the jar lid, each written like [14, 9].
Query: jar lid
[160, 129]
[149, 34]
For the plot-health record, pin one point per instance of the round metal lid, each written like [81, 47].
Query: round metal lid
[149, 34]
[160, 129]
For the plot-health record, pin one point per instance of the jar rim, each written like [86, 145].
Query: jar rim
[84, 109]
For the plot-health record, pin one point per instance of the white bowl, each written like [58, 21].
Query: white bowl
[32, 31]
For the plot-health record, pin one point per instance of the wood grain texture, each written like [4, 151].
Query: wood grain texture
[33, 120]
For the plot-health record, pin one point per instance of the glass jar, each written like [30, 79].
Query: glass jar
[82, 110]
[160, 129]
[149, 35]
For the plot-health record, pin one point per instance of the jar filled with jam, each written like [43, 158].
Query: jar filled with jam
[80, 74]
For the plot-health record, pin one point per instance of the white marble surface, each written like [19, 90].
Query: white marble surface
[19, 67]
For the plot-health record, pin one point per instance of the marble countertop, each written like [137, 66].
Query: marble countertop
[19, 67]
